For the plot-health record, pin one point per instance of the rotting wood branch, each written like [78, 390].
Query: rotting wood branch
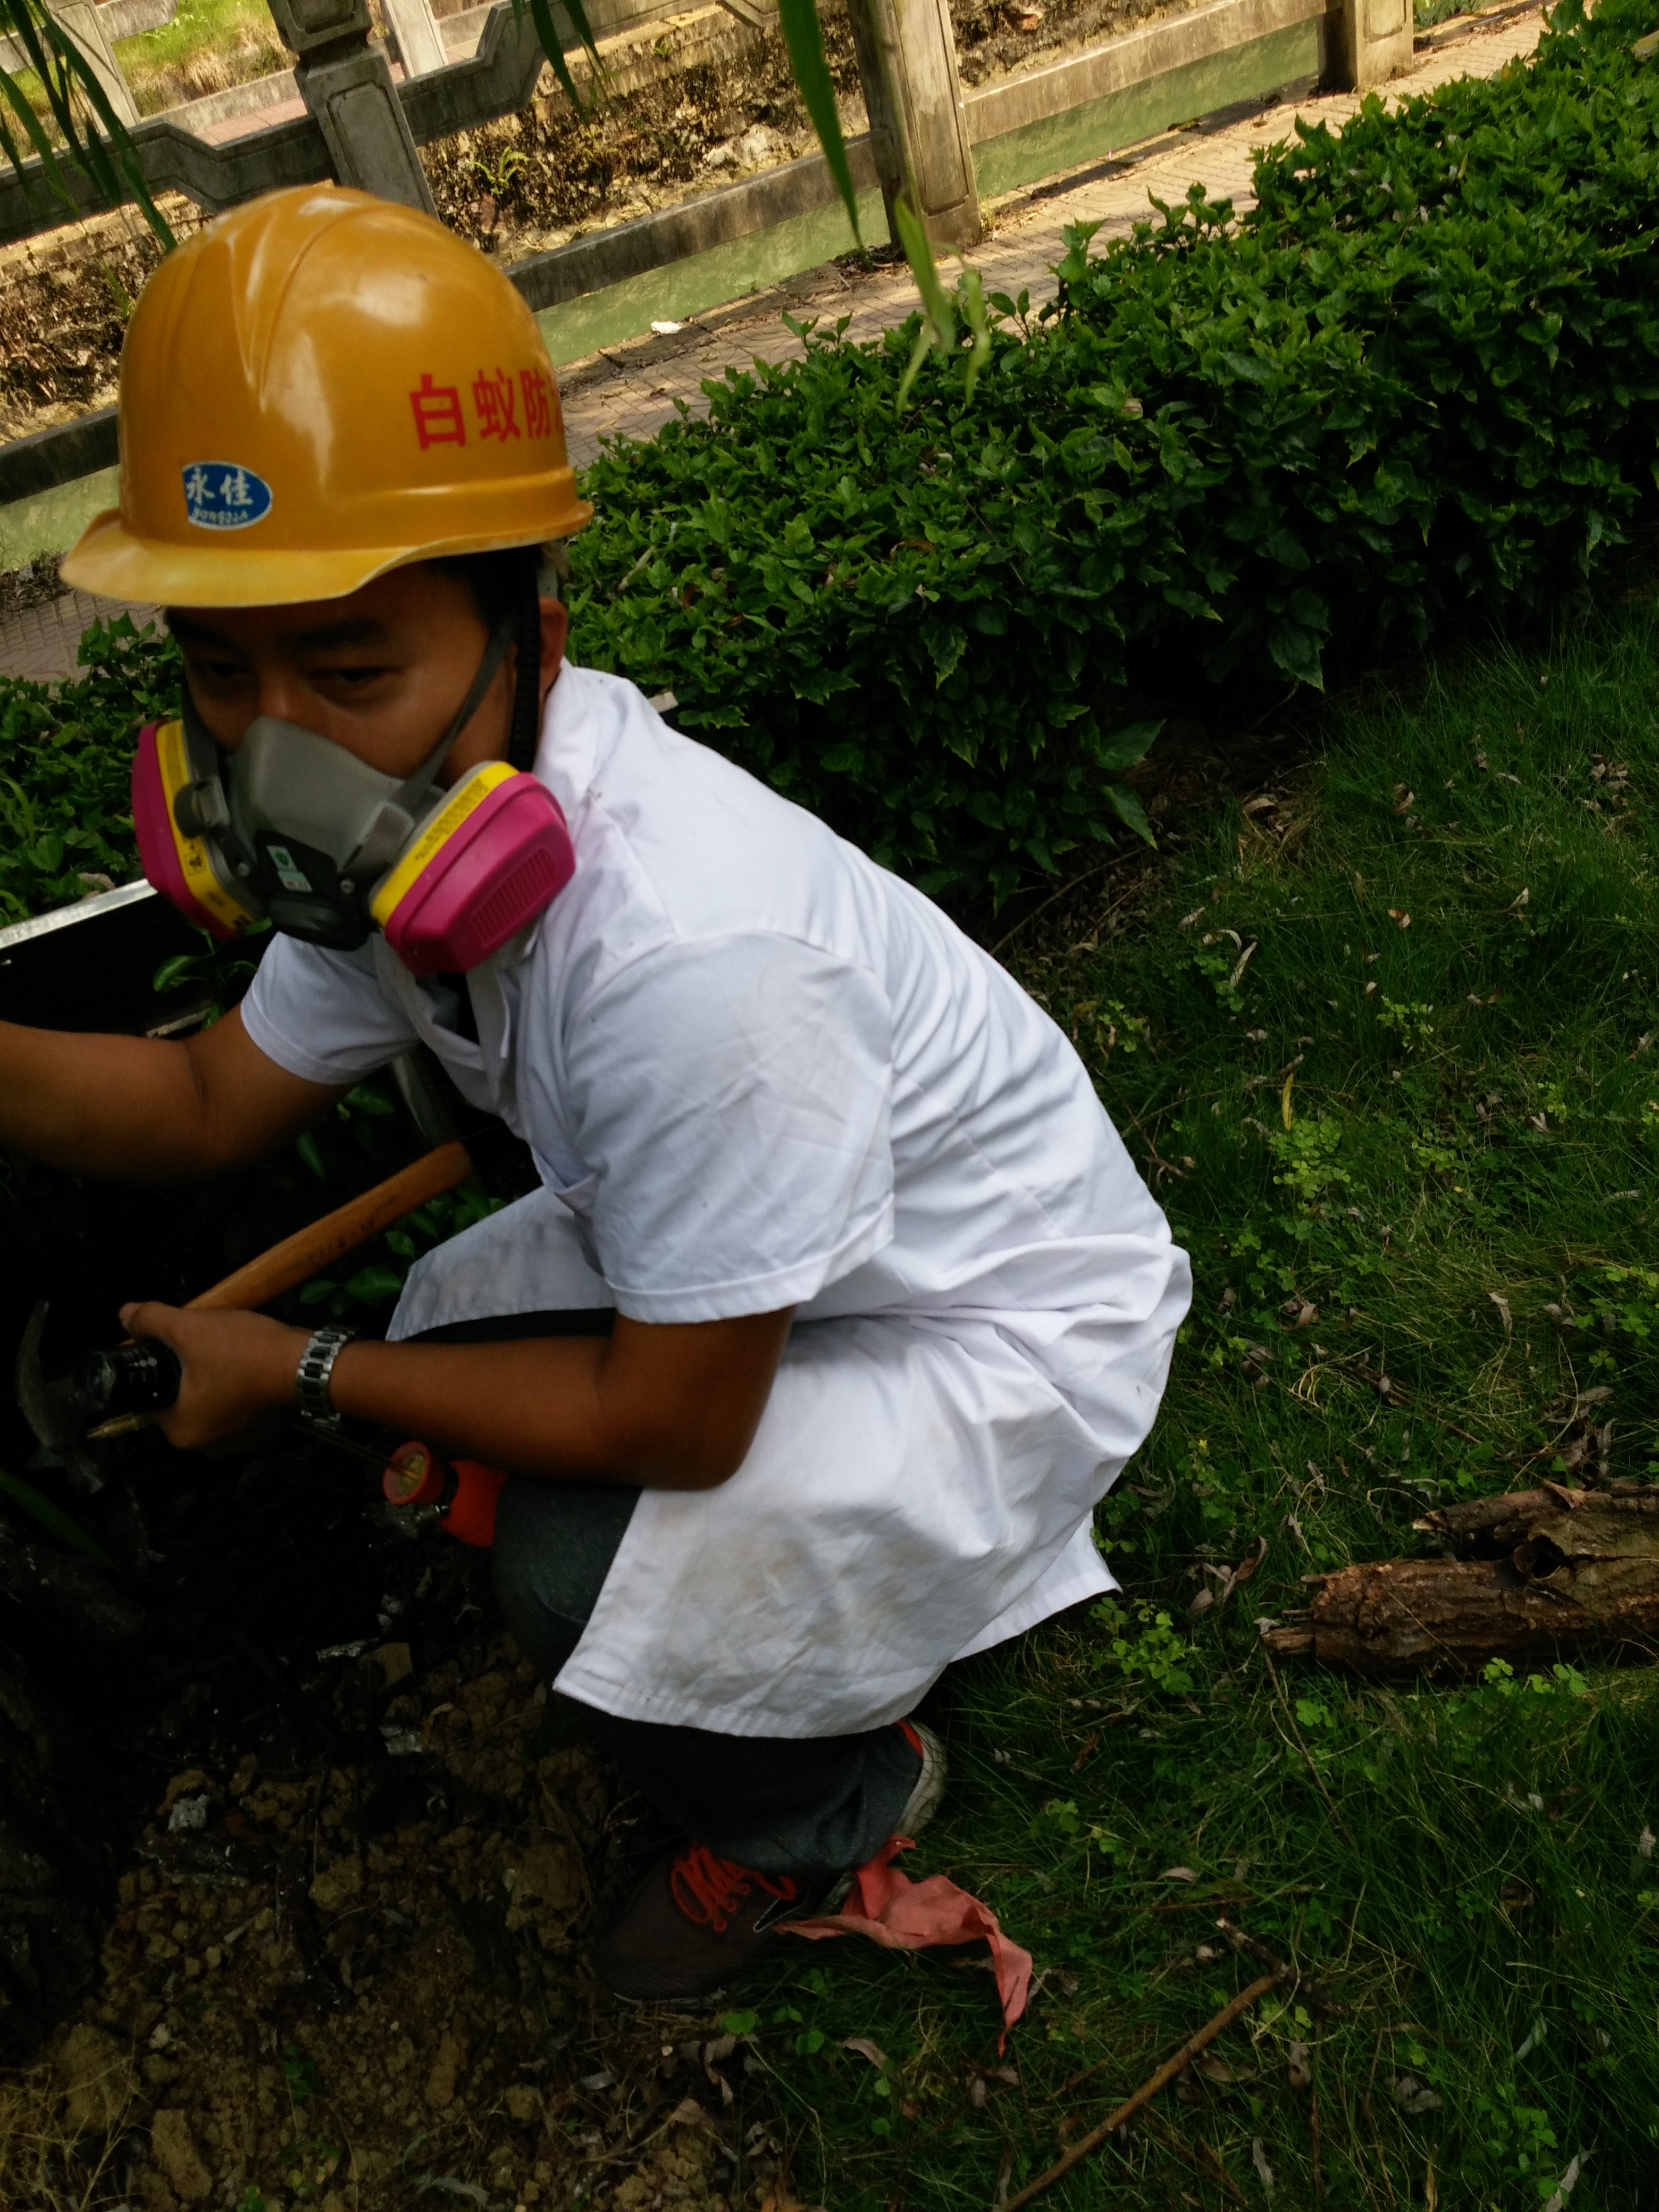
[1530, 1577]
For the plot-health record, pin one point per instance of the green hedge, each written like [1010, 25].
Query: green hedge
[65, 765]
[1424, 371]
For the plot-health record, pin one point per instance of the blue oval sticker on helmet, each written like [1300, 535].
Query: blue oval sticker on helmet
[224, 495]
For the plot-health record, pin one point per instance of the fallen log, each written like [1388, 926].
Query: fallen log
[1531, 1576]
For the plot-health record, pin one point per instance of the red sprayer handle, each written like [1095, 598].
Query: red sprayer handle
[464, 1493]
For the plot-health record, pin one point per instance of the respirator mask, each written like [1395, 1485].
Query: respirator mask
[294, 829]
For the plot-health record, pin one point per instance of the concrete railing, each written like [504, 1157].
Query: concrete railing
[497, 80]
[1167, 56]
[1018, 128]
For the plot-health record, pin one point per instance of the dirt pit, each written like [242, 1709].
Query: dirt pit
[360, 1985]
[339, 1859]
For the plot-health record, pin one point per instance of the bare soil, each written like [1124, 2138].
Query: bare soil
[64, 300]
[347, 1965]
[32, 586]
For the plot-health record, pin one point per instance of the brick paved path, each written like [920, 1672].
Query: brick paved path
[42, 641]
[632, 389]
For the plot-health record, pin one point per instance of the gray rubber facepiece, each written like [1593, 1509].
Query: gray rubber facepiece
[306, 828]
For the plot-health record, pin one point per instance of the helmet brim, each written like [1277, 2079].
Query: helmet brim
[116, 563]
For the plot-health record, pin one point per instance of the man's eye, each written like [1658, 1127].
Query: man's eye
[216, 672]
[356, 678]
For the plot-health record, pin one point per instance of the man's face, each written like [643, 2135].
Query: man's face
[381, 672]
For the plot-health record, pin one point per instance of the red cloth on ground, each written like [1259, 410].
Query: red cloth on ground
[911, 1916]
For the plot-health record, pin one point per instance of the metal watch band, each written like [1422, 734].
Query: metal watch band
[316, 1366]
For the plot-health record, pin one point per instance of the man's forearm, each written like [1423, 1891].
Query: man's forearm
[146, 1109]
[123, 1107]
[672, 1409]
[533, 1406]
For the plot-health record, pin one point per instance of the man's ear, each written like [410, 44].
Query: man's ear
[556, 623]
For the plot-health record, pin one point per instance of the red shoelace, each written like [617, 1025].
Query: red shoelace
[708, 1889]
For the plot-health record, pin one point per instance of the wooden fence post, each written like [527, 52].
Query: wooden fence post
[906, 55]
[1374, 42]
[82, 20]
[347, 85]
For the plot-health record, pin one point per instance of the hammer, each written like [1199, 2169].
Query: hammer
[146, 1376]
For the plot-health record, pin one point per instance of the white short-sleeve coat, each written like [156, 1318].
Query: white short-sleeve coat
[757, 1071]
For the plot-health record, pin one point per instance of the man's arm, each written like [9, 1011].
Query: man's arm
[146, 1109]
[671, 1406]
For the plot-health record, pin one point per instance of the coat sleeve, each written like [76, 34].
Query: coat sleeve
[323, 1015]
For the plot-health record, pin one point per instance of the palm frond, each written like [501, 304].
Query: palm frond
[96, 141]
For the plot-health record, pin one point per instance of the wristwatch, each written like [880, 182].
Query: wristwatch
[316, 1365]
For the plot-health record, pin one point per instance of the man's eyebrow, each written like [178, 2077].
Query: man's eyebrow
[184, 625]
[356, 630]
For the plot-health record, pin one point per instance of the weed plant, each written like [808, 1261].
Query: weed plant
[1383, 1039]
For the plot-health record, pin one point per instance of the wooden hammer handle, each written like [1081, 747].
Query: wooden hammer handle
[297, 1258]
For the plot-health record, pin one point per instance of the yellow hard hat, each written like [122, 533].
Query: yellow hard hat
[317, 387]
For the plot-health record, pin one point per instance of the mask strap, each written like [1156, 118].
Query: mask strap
[514, 625]
[501, 637]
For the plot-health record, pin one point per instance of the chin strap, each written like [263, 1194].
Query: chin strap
[526, 733]
[501, 638]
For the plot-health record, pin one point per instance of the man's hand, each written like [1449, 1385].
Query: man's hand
[671, 1408]
[239, 1367]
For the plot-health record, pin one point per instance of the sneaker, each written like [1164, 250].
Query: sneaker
[697, 1920]
[928, 1795]
[920, 1807]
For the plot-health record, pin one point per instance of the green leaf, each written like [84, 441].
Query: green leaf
[553, 46]
[51, 1517]
[803, 35]
[940, 317]
[1130, 811]
[175, 969]
[1128, 745]
[971, 286]
[375, 1286]
[1296, 650]
[739, 2023]
[105, 156]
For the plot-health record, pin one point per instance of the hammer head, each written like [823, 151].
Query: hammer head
[49, 1409]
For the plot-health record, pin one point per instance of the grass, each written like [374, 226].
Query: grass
[1427, 1089]
[208, 45]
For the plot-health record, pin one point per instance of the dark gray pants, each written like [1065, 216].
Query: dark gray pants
[792, 1805]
